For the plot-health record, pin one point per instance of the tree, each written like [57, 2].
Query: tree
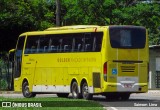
[58, 13]
[18, 16]
[114, 12]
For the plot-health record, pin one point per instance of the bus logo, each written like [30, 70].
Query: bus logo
[6, 104]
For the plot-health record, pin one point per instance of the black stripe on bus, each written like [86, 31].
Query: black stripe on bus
[127, 61]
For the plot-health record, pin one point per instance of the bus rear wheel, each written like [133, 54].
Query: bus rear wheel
[26, 92]
[125, 96]
[75, 91]
[85, 92]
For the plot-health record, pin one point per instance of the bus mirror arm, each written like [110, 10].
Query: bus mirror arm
[11, 55]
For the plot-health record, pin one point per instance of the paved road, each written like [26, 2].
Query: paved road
[146, 99]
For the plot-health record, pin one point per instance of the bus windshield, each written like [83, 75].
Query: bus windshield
[127, 37]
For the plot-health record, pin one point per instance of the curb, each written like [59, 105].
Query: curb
[154, 91]
[9, 92]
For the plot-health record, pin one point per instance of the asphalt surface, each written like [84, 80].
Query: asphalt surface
[143, 101]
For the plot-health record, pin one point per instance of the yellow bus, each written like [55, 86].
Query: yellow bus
[83, 60]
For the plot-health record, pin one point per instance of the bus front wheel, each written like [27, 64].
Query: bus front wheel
[75, 91]
[26, 92]
[85, 92]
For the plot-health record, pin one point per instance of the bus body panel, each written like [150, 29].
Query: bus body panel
[52, 75]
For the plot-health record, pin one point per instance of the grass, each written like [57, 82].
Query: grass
[50, 103]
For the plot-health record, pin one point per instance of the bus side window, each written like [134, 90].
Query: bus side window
[45, 49]
[98, 42]
[60, 49]
[79, 43]
[31, 45]
[49, 45]
[94, 44]
[67, 43]
[87, 47]
[88, 42]
[67, 48]
[43, 44]
[54, 45]
[53, 48]
[83, 45]
[33, 49]
[73, 44]
[79, 47]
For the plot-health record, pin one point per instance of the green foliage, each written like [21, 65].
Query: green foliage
[50, 103]
[26, 14]
[3, 84]
[17, 16]
[114, 12]
[3, 66]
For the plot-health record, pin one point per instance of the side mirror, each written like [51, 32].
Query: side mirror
[12, 50]
[11, 54]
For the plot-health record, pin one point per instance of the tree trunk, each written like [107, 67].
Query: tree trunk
[58, 13]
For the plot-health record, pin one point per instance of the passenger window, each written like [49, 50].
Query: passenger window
[74, 42]
[43, 44]
[31, 44]
[88, 42]
[79, 41]
[97, 42]
[54, 43]
[67, 43]
[60, 49]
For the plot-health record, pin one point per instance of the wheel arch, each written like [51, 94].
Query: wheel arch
[25, 80]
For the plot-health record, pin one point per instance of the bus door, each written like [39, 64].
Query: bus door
[29, 68]
[18, 62]
[30, 61]
[11, 68]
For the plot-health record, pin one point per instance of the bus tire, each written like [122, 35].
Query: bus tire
[34, 94]
[85, 92]
[125, 96]
[75, 91]
[26, 92]
[64, 95]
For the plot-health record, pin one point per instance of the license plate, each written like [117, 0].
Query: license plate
[127, 85]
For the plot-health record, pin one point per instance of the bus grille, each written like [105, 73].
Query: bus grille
[128, 68]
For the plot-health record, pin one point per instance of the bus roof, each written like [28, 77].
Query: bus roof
[72, 27]
[75, 28]
[65, 28]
